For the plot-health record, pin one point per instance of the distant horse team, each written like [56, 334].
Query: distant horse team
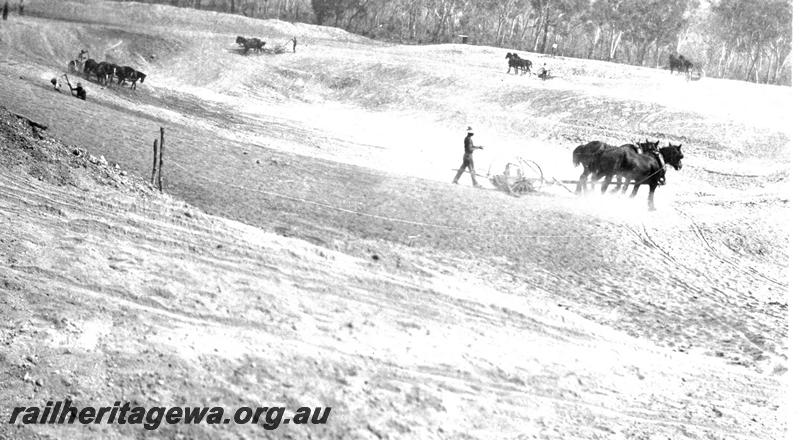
[250, 43]
[681, 64]
[521, 64]
[642, 163]
[517, 63]
[105, 73]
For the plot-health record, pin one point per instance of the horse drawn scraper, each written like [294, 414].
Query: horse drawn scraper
[520, 176]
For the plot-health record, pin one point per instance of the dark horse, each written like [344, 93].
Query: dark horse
[89, 67]
[680, 64]
[587, 155]
[515, 62]
[250, 43]
[648, 168]
[127, 73]
[687, 65]
[104, 71]
[674, 64]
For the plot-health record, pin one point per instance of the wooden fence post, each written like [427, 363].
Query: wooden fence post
[155, 162]
[161, 162]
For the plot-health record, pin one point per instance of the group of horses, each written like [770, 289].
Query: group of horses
[250, 43]
[521, 64]
[518, 63]
[643, 163]
[681, 64]
[105, 73]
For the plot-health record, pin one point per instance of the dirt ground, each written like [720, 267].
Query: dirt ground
[311, 250]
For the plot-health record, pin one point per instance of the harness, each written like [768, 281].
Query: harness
[661, 167]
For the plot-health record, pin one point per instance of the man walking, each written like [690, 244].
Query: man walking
[469, 147]
[5, 10]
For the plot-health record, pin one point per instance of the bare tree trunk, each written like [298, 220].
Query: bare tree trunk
[781, 66]
[769, 69]
[751, 68]
[722, 60]
[546, 26]
[597, 33]
[614, 45]
[498, 29]
[657, 61]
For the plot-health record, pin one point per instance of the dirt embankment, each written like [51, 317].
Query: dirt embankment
[112, 292]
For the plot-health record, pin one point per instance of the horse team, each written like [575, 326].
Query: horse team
[681, 64]
[105, 73]
[250, 43]
[518, 63]
[643, 163]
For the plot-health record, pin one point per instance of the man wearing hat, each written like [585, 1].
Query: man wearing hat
[469, 147]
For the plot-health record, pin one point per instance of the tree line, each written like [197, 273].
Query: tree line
[737, 39]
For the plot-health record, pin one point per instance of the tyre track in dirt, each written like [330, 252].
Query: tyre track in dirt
[736, 266]
[729, 318]
[411, 375]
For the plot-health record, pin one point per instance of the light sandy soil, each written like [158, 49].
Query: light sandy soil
[315, 253]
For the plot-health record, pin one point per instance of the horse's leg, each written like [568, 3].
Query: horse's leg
[595, 178]
[581, 188]
[627, 184]
[635, 189]
[650, 205]
[606, 183]
[618, 186]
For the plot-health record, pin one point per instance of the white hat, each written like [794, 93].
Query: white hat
[469, 130]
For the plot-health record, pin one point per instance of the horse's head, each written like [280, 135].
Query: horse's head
[240, 40]
[673, 155]
[141, 76]
[509, 56]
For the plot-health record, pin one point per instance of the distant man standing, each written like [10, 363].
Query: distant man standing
[467, 162]
[5, 11]
[82, 57]
[78, 91]
[294, 44]
[543, 71]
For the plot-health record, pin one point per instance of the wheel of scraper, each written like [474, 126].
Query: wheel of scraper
[533, 177]
[523, 177]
